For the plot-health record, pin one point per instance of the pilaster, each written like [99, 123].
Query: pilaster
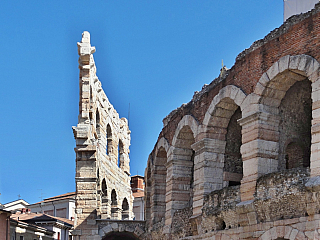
[259, 149]
[208, 169]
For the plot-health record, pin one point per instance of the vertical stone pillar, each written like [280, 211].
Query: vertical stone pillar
[208, 169]
[179, 174]
[315, 130]
[86, 151]
[158, 193]
[105, 208]
[115, 212]
[259, 150]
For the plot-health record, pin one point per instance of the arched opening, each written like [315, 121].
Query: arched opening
[120, 236]
[295, 112]
[98, 123]
[105, 207]
[233, 167]
[120, 154]
[104, 188]
[180, 174]
[114, 198]
[125, 209]
[158, 204]
[184, 141]
[109, 140]
[114, 205]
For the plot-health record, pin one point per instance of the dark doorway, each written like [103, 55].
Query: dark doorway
[120, 236]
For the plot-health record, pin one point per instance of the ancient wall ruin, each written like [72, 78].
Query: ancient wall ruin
[102, 153]
[241, 160]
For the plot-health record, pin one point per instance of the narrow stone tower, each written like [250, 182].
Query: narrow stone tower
[102, 153]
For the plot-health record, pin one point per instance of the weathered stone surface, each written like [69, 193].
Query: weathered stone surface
[102, 171]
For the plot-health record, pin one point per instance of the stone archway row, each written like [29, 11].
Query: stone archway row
[259, 148]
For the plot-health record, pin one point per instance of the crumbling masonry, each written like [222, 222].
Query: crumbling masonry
[102, 153]
[241, 160]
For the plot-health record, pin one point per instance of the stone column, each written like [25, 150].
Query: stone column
[115, 212]
[260, 147]
[315, 130]
[179, 170]
[105, 208]
[208, 169]
[86, 150]
[158, 193]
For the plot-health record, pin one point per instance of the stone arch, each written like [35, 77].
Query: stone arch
[162, 143]
[222, 128]
[287, 83]
[231, 92]
[211, 144]
[159, 173]
[125, 209]
[286, 232]
[180, 168]
[261, 121]
[272, 90]
[187, 120]
[120, 231]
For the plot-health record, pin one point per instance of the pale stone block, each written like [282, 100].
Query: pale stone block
[280, 231]
[310, 234]
[288, 231]
[300, 236]
[250, 167]
[266, 236]
[264, 79]
[239, 97]
[293, 234]
[273, 70]
[266, 148]
[315, 138]
[284, 63]
[294, 63]
[273, 233]
[315, 86]
[259, 89]
[315, 95]
[313, 67]
[305, 63]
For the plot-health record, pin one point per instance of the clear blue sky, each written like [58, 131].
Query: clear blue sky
[151, 54]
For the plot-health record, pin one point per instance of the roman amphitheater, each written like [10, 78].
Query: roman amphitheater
[241, 160]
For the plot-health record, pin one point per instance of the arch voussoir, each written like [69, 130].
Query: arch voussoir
[286, 232]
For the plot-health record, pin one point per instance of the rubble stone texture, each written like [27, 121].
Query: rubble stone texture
[102, 153]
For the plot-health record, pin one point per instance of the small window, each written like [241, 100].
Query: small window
[21, 238]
